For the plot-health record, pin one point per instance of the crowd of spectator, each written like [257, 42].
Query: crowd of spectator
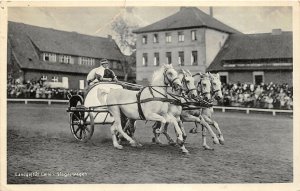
[37, 90]
[267, 96]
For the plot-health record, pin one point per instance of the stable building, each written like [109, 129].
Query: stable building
[189, 39]
[256, 58]
[58, 56]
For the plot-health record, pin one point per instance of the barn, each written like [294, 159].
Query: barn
[256, 58]
[36, 53]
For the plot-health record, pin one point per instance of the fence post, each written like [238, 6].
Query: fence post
[49, 102]
[223, 109]
[247, 111]
[274, 113]
[26, 101]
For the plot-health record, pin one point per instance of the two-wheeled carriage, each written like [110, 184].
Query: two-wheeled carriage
[86, 112]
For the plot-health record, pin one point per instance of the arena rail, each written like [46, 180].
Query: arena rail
[273, 111]
[50, 101]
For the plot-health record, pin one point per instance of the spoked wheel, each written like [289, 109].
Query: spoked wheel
[82, 125]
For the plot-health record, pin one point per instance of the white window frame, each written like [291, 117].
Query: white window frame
[155, 38]
[193, 58]
[168, 37]
[54, 79]
[145, 59]
[51, 56]
[258, 73]
[179, 60]
[44, 78]
[144, 39]
[194, 35]
[67, 59]
[181, 36]
[86, 61]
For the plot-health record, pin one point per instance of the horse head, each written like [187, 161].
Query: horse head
[188, 83]
[216, 86]
[204, 86]
[171, 77]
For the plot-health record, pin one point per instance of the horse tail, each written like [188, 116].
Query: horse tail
[102, 94]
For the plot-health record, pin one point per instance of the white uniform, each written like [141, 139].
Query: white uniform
[92, 76]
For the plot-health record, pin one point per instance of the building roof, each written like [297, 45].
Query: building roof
[187, 17]
[249, 48]
[27, 40]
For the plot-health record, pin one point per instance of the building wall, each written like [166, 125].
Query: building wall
[214, 40]
[144, 73]
[72, 78]
[275, 76]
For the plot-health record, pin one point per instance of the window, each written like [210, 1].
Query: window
[194, 36]
[180, 37]
[81, 84]
[86, 61]
[66, 59]
[155, 38]
[223, 77]
[156, 59]
[181, 58]
[145, 59]
[168, 37]
[194, 59]
[54, 79]
[44, 78]
[258, 77]
[49, 57]
[144, 39]
[114, 64]
[169, 57]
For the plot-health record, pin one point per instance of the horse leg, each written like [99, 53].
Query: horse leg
[156, 132]
[180, 140]
[165, 132]
[114, 137]
[115, 111]
[205, 146]
[206, 125]
[182, 129]
[130, 128]
[194, 130]
[221, 138]
[160, 121]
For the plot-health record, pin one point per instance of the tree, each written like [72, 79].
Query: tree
[126, 39]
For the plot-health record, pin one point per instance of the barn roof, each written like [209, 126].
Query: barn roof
[263, 47]
[27, 41]
[187, 17]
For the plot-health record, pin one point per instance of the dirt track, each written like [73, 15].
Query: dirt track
[258, 148]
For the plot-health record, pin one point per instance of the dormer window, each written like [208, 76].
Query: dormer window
[66, 59]
[86, 61]
[49, 57]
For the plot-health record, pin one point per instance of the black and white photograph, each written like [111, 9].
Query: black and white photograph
[158, 94]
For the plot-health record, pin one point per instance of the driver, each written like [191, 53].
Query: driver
[102, 73]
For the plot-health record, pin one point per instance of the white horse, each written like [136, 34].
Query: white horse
[151, 103]
[206, 113]
[190, 91]
[204, 89]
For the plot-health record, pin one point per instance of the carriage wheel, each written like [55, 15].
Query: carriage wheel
[82, 125]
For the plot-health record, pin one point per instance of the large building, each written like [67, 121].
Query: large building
[188, 38]
[256, 58]
[198, 42]
[58, 56]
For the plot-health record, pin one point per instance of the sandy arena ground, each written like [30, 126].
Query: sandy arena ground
[258, 149]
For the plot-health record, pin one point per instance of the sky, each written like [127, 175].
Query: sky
[97, 20]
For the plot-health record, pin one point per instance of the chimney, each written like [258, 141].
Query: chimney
[276, 31]
[211, 12]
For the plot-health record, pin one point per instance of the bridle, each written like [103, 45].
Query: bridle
[199, 89]
[171, 82]
[215, 91]
[187, 90]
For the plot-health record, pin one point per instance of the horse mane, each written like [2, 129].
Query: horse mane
[157, 77]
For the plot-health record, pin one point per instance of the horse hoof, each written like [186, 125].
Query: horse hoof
[221, 142]
[172, 143]
[208, 148]
[186, 153]
[193, 131]
[134, 144]
[216, 141]
[184, 138]
[120, 147]
[180, 142]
